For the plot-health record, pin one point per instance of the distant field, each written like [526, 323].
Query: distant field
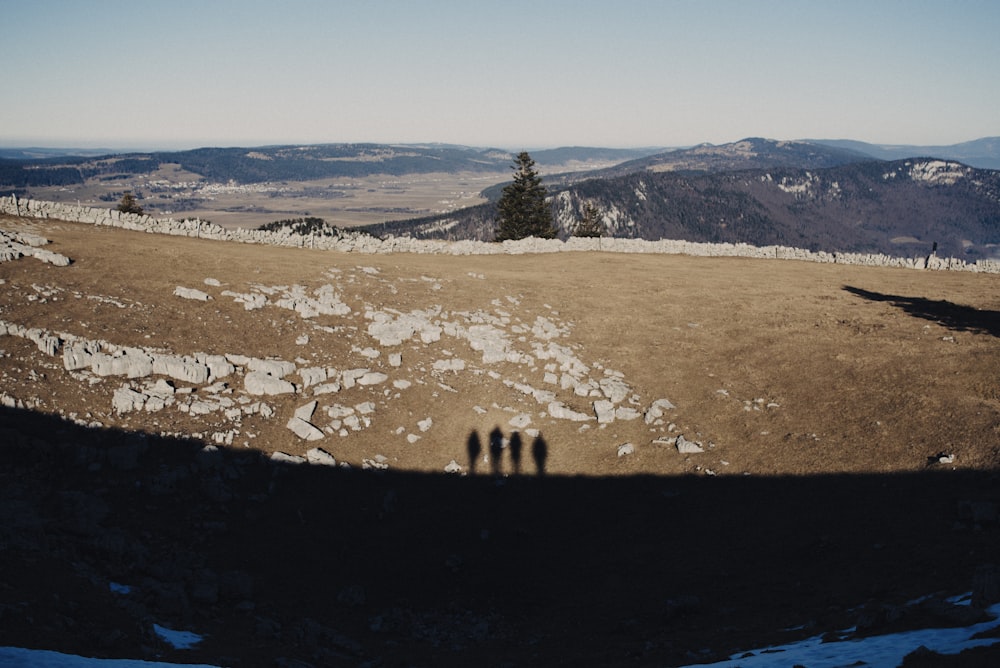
[344, 202]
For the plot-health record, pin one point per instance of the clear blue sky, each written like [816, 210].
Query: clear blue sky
[506, 73]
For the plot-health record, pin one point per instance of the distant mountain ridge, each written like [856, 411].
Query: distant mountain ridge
[983, 153]
[901, 207]
[289, 163]
[750, 153]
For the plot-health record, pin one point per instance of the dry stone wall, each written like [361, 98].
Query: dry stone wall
[363, 243]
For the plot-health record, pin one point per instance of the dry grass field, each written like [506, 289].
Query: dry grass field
[823, 397]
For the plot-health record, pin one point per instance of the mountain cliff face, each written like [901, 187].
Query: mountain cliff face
[901, 207]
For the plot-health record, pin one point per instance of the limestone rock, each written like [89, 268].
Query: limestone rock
[655, 410]
[304, 430]
[686, 447]
[287, 458]
[258, 383]
[604, 410]
[191, 293]
[321, 457]
[561, 411]
[276, 368]
[181, 368]
[305, 412]
[126, 399]
[372, 378]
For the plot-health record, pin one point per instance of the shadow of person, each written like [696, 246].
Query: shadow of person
[539, 452]
[496, 450]
[515, 451]
[473, 446]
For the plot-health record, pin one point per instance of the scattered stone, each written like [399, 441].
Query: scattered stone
[605, 411]
[560, 411]
[305, 412]
[655, 410]
[626, 413]
[453, 364]
[286, 458]
[686, 447]
[191, 293]
[276, 368]
[625, 449]
[304, 430]
[372, 378]
[259, 383]
[313, 376]
[320, 457]
[520, 421]
[126, 399]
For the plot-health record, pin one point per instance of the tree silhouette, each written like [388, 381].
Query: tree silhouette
[590, 225]
[129, 204]
[522, 209]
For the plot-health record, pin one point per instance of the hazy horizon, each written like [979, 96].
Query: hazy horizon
[542, 73]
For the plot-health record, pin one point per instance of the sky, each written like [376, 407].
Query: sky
[505, 73]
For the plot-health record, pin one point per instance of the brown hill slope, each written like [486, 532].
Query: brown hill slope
[817, 392]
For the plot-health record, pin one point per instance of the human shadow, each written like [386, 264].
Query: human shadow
[539, 452]
[106, 532]
[943, 312]
[473, 447]
[496, 450]
[515, 445]
[497, 445]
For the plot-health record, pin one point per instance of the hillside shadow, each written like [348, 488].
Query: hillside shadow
[945, 313]
[282, 564]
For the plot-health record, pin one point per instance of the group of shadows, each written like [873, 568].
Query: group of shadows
[495, 443]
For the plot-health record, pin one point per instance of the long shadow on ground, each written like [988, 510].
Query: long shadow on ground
[277, 563]
[945, 313]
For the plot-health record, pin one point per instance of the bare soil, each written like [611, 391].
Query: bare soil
[823, 396]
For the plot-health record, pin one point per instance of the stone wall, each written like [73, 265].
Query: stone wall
[362, 243]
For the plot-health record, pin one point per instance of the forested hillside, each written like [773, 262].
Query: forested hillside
[900, 208]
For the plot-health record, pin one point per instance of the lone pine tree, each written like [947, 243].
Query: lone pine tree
[590, 224]
[522, 210]
[129, 204]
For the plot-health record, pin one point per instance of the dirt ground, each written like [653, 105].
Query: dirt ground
[824, 397]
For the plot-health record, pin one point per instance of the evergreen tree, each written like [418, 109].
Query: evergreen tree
[522, 209]
[129, 204]
[590, 225]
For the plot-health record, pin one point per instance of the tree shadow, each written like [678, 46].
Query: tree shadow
[105, 532]
[945, 313]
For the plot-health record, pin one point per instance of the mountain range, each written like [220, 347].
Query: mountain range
[832, 195]
[765, 192]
